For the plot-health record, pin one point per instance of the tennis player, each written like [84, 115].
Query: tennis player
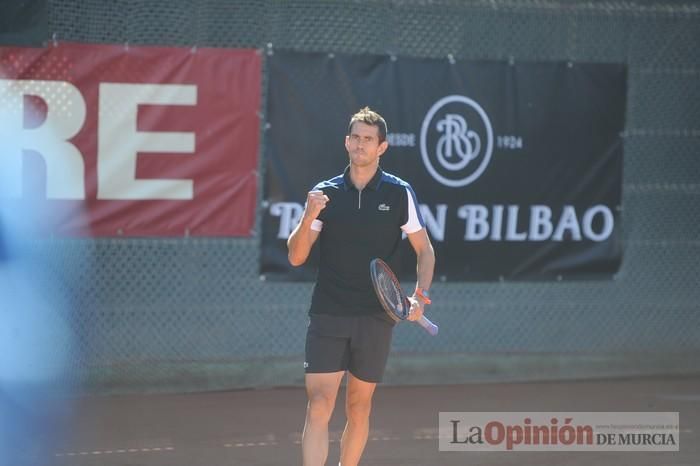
[358, 215]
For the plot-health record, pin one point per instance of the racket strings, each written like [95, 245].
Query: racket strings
[392, 293]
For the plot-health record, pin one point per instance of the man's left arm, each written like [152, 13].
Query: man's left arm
[425, 266]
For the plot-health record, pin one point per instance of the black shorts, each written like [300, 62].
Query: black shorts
[359, 344]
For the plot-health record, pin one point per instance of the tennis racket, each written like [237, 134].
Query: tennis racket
[392, 297]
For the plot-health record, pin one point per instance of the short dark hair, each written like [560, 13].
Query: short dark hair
[372, 118]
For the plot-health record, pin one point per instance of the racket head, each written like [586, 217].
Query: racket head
[388, 290]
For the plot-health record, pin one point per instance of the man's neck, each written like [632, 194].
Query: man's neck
[360, 176]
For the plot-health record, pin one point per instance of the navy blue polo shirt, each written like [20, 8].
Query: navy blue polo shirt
[355, 227]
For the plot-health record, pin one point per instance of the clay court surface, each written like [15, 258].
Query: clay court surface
[263, 427]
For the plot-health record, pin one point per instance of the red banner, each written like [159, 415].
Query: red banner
[106, 140]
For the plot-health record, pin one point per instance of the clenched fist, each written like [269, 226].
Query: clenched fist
[315, 202]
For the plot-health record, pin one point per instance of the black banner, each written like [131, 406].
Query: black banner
[517, 166]
[23, 22]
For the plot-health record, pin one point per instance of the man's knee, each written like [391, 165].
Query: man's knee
[320, 407]
[358, 409]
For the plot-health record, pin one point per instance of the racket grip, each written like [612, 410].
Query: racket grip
[429, 327]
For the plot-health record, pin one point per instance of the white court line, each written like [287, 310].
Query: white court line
[267, 440]
[418, 434]
[383, 439]
[114, 451]
[679, 396]
[271, 441]
[250, 444]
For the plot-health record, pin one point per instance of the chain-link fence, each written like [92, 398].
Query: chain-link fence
[193, 313]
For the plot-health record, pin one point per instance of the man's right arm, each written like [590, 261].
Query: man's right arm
[303, 237]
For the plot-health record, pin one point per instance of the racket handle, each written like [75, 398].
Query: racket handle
[429, 327]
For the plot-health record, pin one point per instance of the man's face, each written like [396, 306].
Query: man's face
[363, 145]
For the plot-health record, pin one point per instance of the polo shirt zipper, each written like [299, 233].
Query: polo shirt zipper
[359, 199]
